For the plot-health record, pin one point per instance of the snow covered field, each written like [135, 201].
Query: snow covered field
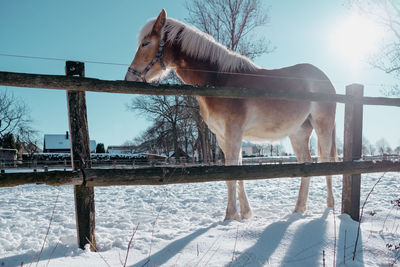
[181, 225]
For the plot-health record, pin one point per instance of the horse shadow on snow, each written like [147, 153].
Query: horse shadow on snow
[171, 250]
[308, 241]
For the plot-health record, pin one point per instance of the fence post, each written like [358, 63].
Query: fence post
[80, 159]
[352, 146]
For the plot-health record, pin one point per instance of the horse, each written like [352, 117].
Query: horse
[165, 44]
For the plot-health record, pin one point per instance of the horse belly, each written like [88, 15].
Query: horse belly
[268, 133]
[274, 120]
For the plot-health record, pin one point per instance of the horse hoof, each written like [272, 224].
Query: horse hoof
[246, 215]
[300, 209]
[234, 217]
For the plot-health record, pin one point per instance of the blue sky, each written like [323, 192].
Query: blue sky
[302, 31]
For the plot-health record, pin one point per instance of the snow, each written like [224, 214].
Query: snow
[181, 225]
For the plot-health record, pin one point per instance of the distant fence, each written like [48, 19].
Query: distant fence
[84, 177]
[64, 161]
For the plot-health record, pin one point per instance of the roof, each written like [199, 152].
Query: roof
[56, 141]
[121, 147]
[60, 141]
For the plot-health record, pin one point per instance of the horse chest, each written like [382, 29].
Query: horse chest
[220, 113]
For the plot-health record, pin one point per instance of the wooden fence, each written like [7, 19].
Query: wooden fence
[84, 177]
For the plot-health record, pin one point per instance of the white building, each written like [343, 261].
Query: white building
[250, 149]
[61, 143]
[121, 149]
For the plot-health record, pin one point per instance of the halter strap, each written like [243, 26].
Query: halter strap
[158, 57]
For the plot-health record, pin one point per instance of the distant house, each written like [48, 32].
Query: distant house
[249, 149]
[8, 155]
[61, 143]
[121, 149]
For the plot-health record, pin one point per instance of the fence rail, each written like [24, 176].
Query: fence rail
[196, 174]
[72, 83]
[141, 162]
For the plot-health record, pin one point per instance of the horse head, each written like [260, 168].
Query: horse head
[148, 63]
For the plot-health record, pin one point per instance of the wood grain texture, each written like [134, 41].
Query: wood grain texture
[352, 146]
[80, 158]
[96, 85]
[197, 174]
[55, 178]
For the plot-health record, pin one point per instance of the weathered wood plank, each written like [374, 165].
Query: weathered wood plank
[198, 174]
[80, 158]
[96, 85]
[352, 151]
[177, 175]
[55, 178]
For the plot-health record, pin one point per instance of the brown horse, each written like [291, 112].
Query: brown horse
[199, 60]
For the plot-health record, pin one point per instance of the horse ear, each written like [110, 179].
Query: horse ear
[160, 21]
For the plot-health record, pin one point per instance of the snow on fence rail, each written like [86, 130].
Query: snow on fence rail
[84, 178]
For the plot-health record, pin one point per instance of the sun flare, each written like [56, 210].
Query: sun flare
[355, 38]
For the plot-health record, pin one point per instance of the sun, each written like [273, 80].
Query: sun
[355, 38]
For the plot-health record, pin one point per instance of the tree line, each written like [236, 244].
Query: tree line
[16, 131]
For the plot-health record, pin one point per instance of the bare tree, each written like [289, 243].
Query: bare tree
[279, 150]
[366, 144]
[387, 14]
[15, 121]
[382, 146]
[28, 141]
[257, 149]
[166, 112]
[13, 114]
[206, 142]
[372, 149]
[368, 148]
[275, 150]
[232, 23]
[156, 139]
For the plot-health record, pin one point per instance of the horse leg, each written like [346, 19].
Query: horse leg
[327, 153]
[299, 141]
[231, 146]
[245, 210]
[231, 209]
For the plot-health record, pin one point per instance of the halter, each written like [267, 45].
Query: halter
[158, 57]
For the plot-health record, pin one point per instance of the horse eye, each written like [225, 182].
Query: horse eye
[145, 44]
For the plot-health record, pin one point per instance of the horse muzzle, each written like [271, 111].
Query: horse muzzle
[130, 77]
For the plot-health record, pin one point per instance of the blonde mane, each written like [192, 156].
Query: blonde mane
[200, 45]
